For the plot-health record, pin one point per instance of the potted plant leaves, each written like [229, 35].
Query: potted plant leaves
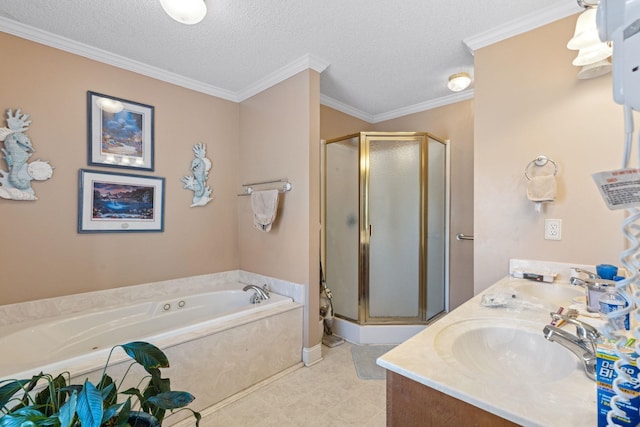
[45, 400]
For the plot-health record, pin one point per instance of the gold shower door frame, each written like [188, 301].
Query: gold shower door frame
[366, 138]
[364, 144]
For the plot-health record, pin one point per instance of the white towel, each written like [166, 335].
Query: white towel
[542, 188]
[265, 207]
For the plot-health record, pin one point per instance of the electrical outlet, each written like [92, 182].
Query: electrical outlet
[553, 229]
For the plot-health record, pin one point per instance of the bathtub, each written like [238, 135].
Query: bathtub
[218, 343]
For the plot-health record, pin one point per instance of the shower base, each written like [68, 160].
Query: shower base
[374, 334]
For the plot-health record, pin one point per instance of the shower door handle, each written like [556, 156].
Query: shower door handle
[370, 230]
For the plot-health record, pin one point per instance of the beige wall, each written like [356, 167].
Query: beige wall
[455, 123]
[279, 138]
[528, 102]
[336, 124]
[42, 253]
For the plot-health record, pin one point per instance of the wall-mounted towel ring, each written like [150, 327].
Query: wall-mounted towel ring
[540, 161]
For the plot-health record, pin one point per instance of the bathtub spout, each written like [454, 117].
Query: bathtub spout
[260, 294]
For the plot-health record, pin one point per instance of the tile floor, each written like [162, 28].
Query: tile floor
[327, 394]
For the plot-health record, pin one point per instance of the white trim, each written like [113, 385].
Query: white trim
[347, 109]
[313, 355]
[424, 106]
[303, 63]
[39, 36]
[522, 25]
[400, 112]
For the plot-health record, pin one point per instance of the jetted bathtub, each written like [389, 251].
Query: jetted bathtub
[218, 343]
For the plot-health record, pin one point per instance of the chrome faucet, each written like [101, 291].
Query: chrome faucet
[260, 294]
[583, 344]
[580, 281]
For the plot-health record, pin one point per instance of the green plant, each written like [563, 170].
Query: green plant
[24, 403]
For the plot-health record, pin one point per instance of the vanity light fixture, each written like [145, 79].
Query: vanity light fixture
[592, 53]
[185, 11]
[459, 81]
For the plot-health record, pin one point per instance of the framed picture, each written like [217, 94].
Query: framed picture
[116, 202]
[120, 132]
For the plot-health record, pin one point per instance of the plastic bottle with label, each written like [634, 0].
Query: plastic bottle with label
[611, 301]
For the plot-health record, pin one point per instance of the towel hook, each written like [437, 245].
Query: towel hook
[540, 161]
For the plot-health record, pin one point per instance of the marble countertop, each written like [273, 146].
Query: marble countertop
[567, 401]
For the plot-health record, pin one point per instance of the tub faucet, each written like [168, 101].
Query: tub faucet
[583, 344]
[260, 294]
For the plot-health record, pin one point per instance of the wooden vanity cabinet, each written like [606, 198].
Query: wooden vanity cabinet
[411, 404]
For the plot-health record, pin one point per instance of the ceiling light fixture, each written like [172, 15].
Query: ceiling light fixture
[459, 81]
[185, 11]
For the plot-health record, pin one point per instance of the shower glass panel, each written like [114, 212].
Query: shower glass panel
[341, 230]
[436, 228]
[394, 233]
[385, 227]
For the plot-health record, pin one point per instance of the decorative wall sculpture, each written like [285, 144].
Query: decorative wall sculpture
[16, 183]
[197, 182]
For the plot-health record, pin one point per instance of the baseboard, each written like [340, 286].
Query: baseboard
[311, 356]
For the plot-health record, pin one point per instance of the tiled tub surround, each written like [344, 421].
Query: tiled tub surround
[570, 400]
[212, 358]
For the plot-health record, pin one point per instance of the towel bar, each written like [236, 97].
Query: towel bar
[286, 186]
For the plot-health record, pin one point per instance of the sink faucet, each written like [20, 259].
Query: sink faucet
[260, 294]
[580, 281]
[583, 344]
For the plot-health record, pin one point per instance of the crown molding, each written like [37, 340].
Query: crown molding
[58, 42]
[400, 112]
[522, 25]
[344, 108]
[424, 106]
[305, 62]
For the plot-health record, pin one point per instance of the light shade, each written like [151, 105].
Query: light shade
[459, 81]
[592, 54]
[594, 70]
[586, 33]
[185, 11]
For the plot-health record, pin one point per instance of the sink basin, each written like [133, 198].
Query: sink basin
[557, 295]
[486, 349]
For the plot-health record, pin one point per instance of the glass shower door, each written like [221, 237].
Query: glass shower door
[394, 228]
[341, 229]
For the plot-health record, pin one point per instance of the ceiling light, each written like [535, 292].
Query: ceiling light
[459, 81]
[185, 11]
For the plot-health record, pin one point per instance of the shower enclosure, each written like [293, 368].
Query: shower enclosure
[385, 228]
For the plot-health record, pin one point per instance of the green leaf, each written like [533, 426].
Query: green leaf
[172, 399]
[123, 415]
[68, 411]
[23, 417]
[8, 390]
[89, 407]
[52, 397]
[116, 409]
[146, 354]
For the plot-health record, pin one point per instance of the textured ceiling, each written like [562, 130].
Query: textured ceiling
[383, 55]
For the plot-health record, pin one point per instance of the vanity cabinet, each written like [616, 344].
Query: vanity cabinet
[411, 404]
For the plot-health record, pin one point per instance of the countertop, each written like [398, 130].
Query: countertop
[570, 401]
